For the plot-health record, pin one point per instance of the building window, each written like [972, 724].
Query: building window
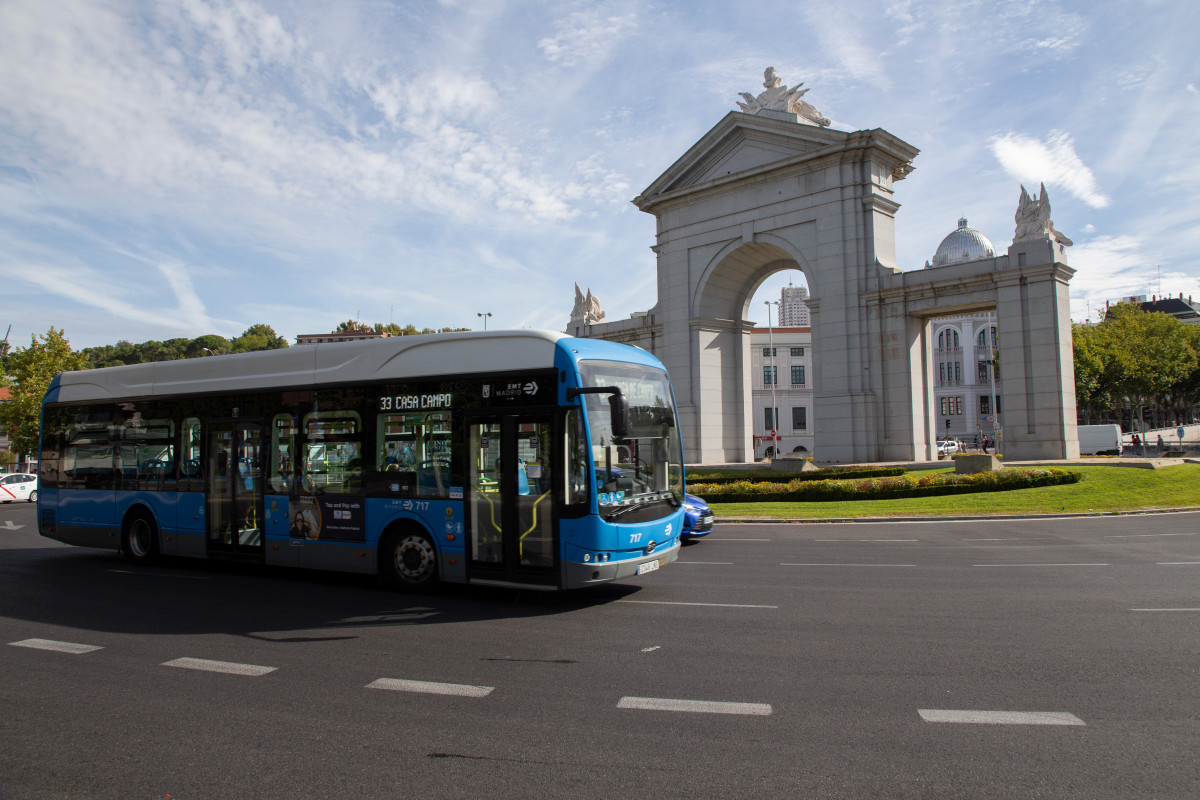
[958, 372]
[982, 341]
[797, 351]
[983, 376]
[799, 418]
[942, 340]
[985, 405]
[797, 376]
[769, 415]
[943, 372]
[958, 405]
[945, 406]
[998, 410]
[770, 375]
[768, 352]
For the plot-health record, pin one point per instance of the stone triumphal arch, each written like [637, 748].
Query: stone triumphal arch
[770, 188]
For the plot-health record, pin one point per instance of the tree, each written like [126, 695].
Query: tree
[27, 378]
[259, 337]
[1136, 358]
[208, 344]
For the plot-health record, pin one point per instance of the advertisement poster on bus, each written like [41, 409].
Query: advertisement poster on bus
[328, 518]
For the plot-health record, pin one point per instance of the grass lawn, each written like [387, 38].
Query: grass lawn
[1103, 489]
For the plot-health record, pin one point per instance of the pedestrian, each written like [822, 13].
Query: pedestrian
[1161, 444]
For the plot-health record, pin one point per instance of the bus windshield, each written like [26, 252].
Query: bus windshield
[642, 471]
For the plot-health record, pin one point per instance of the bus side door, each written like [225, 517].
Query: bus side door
[511, 500]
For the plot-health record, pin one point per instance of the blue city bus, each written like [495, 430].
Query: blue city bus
[514, 458]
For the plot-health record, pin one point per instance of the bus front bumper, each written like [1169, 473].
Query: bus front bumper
[576, 575]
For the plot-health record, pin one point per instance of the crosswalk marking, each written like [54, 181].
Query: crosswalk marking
[1000, 717]
[60, 647]
[430, 687]
[695, 706]
[226, 667]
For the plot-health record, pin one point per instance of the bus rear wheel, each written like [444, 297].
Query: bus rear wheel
[139, 539]
[408, 561]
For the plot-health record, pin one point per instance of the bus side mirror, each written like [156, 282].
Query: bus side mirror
[619, 410]
[618, 406]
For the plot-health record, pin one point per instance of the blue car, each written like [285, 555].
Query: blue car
[697, 518]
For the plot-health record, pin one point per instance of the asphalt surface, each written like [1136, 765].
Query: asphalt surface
[1033, 658]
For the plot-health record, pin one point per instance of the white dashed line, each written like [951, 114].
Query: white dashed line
[847, 565]
[1144, 535]
[720, 539]
[429, 687]
[695, 706]
[226, 667]
[1177, 563]
[1000, 717]
[1040, 565]
[1165, 609]
[678, 603]
[58, 647]
[708, 563]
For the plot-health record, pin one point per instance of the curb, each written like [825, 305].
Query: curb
[993, 517]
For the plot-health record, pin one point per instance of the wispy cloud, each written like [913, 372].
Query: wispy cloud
[587, 35]
[1053, 162]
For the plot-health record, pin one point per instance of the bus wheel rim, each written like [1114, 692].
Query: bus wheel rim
[139, 538]
[414, 558]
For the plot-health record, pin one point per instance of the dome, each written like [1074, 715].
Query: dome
[964, 244]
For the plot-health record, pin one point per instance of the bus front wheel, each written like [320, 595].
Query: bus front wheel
[139, 539]
[409, 561]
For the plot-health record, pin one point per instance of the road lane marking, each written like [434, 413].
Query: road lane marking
[679, 603]
[695, 706]
[732, 539]
[429, 687]
[846, 565]
[1144, 535]
[1177, 563]
[865, 540]
[1041, 565]
[1164, 609]
[58, 647]
[1000, 717]
[1015, 539]
[708, 563]
[226, 667]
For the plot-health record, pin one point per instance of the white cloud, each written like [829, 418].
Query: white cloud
[587, 35]
[1052, 162]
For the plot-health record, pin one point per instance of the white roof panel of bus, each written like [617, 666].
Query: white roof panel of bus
[393, 358]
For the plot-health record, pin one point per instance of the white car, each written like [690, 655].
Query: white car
[18, 486]
[947, 448]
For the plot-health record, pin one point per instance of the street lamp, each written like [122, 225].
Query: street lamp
[774, 380]
[485, 315]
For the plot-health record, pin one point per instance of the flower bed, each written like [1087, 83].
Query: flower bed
[827, 473]
[800, 490]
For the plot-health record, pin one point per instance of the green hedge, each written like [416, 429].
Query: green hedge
[799, 490]
[827, 473]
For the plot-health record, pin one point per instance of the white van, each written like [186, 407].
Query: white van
[1099, 440]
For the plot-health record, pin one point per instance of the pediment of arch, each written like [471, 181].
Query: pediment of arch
[739, 146]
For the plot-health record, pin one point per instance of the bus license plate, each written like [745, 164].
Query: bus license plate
[649, 566]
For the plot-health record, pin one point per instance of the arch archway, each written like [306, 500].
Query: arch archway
[762, 193]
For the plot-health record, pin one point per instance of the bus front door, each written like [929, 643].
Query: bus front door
[235, 487]
[510, 500]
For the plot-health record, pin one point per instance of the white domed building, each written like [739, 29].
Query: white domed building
[966, 404]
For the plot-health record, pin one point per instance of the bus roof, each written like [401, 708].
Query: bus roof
[335, 363]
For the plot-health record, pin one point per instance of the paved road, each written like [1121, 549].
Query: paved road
[1053, 658]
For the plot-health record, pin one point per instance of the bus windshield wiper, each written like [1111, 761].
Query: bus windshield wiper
[623, 510]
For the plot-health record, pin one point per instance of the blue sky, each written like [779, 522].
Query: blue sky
[169, 169]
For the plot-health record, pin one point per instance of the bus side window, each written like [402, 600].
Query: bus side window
[576, 472]
[283, 444]
[191, 473]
